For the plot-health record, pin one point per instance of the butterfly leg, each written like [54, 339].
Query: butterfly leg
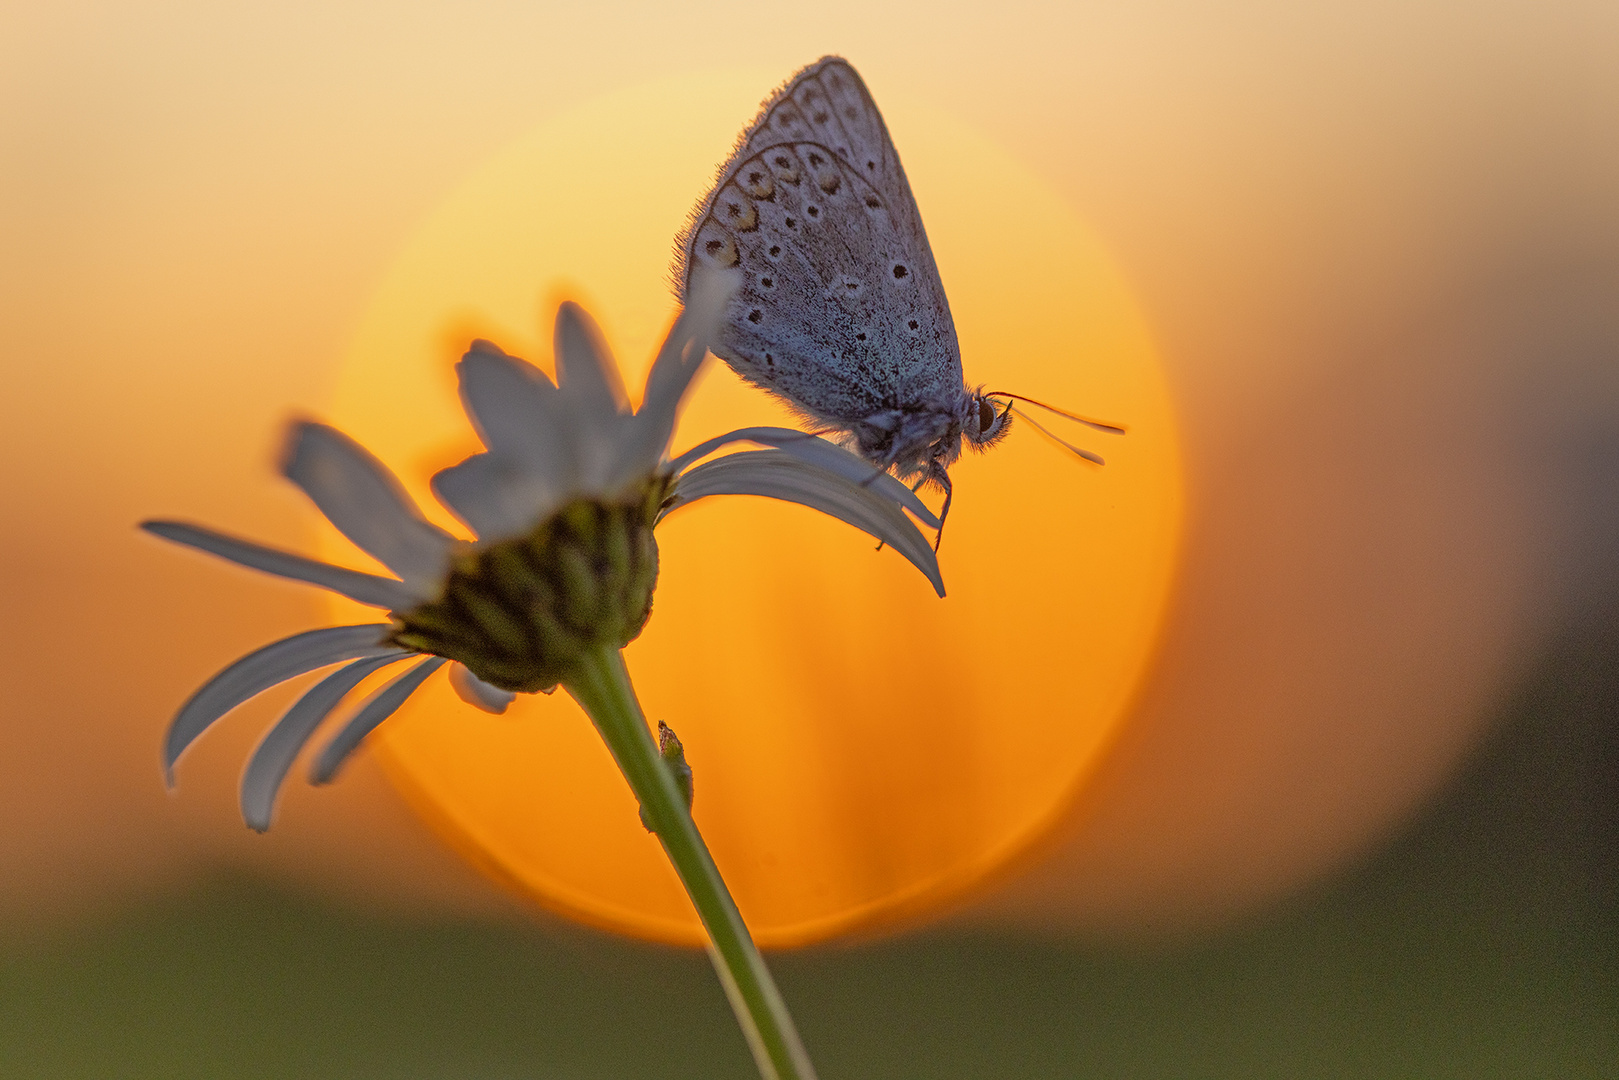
[942, 478]
[938, 475]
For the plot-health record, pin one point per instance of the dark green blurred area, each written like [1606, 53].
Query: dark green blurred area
[1483, 941]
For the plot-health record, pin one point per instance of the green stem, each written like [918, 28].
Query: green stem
[602, 687]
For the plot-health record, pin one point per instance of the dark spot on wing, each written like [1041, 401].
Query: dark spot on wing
[901, 271]
[722, 251]
[788, 169]
[769, 283]
[788, 118]
[742, 215]
[812, 210]
[775, 251]
[759, 184]
[756, 316]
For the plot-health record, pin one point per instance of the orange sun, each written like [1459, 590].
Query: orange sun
[863, 750]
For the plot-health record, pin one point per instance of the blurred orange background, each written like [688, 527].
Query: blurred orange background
[1378, 250]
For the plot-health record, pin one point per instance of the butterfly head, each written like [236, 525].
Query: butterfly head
[985, 420]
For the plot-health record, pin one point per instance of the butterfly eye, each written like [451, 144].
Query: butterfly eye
[988, 419]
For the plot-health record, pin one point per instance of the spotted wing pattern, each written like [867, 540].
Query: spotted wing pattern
[841, 309]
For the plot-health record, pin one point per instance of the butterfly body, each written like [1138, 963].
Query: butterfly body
[841, 310]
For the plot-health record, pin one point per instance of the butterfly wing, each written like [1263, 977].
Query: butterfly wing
[841, 309]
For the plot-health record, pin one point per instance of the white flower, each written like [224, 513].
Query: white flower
[563, 502]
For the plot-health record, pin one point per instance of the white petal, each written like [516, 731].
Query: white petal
[495, 498]
[366, 588]
[259, 670]
[586, 373]
[474, 691]
[778, 475]
[641, 447]
[818, 451]
[677, 363]
[519, 414]
[364, 500]
[377, 708]
[484, 345]
[275, 753]
[594, 397]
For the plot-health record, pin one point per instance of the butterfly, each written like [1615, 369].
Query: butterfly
[841, 310]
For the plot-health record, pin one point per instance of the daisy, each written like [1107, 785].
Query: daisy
[562, 502]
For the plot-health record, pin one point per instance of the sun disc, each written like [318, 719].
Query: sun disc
[863, 750]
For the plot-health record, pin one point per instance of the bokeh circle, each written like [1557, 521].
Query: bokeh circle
[864, 751]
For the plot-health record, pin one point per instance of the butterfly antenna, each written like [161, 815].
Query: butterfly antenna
[1064, 443]
[1099, 425]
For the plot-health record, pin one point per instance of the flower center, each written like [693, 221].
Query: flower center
[520, 612]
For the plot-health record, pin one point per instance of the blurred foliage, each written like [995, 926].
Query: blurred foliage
[1483, 941]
